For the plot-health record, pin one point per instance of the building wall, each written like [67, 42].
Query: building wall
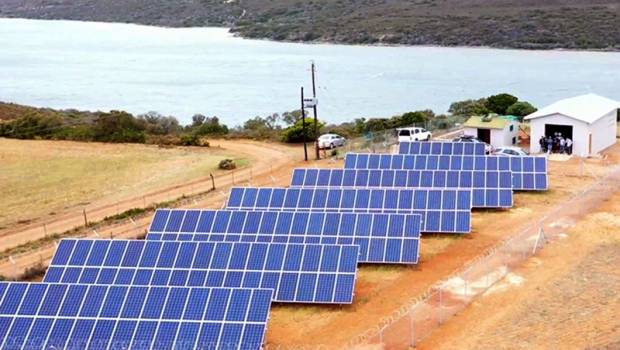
[604, 132]
[581, 132]
[499, 137]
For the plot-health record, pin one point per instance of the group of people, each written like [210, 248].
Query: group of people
[556, 143]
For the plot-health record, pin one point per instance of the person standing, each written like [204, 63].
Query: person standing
[569, 146]
[542, 142]
[549, 144]
[562, 145]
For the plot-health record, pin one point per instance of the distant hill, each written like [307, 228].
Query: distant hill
[530, 24]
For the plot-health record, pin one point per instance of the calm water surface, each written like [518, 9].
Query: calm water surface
[97, 66]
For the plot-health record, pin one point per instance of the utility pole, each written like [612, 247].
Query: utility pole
[303, 124]
[316, 136]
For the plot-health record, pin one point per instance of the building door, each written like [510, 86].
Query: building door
[565, 130]
[484, 135]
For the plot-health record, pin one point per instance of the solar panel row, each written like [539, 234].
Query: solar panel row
[76, 316]
[296, 272]
[382, 238]
[529, 173]
[442, 147]
[491, 189]
[442, 210]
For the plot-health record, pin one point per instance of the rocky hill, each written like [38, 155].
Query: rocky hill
[531, 24]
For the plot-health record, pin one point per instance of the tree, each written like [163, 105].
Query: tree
[118, 126]
[500, 103]
[295, 133]
[211, 126]
[198, 120]
[157, 124]
[468, 108]
[521, 109]
[290, 118]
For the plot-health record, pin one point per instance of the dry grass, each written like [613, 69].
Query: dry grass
[39, 178]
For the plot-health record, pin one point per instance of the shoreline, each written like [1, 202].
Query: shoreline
[236, 34]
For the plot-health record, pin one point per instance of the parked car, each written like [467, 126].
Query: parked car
[510, 151]
[413, 134]
[331, 141]
[488, 149]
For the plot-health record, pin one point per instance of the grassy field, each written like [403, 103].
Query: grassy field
[39, 178]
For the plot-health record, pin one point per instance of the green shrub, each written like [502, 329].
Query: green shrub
[295, 133]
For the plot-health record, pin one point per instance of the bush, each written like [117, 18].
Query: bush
[295, 133]
[227, 164]
[31, 126]
[211, 126]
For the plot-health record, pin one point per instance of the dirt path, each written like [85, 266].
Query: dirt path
[564, 298]
[266, 158]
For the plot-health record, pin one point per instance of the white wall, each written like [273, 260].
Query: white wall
[604, 132]
[499, 137]
[581, 132]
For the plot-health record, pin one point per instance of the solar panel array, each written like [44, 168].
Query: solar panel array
[382, 238]
[528, 173]
[206, 278]
[296, 272]
[490, 189]
[442, 210]
[442, 147]
[78, 316]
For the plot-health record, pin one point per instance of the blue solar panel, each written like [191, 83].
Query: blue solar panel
[78, 316]
[309, 273]
[442, 147]
[529, 173]
[383, 238]
[442, 210]
[491, 189]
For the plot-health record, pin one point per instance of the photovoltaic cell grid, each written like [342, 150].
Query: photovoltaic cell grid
[442, 147]
[296, 272]
[528, 173]
[383, 238]
[76, 316]
[490, 189]
[442, 210]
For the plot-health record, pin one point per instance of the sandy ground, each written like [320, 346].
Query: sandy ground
[263, 157]
[564, 298]
[380, 290]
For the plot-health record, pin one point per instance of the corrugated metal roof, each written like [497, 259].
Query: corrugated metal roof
[494, 123]
[587, 108]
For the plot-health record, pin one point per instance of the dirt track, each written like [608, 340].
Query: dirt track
[381, 290]
[268, 161]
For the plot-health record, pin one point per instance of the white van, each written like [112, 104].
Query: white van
[413, 134]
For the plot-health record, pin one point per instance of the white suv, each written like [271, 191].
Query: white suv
[413, 134]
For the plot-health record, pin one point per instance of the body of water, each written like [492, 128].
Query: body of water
[103, 66]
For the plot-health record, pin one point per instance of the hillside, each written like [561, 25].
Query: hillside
[531, 24]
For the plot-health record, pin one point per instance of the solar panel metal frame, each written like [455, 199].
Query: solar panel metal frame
[414, 201]
[212, 264]
[377, 234]
[442, 147]
[490, 188]
[529, 173]
[34, 314]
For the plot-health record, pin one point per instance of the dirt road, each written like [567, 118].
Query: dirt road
[267, 160]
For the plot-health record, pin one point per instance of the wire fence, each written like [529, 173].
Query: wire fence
[418, 319]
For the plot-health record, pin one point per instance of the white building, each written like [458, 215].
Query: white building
[497, 131]
[589, 120]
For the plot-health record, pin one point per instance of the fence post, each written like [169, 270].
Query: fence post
[212, 181]
[85, 219]
[412, 327]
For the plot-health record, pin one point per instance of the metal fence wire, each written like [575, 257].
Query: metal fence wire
[414, 322]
